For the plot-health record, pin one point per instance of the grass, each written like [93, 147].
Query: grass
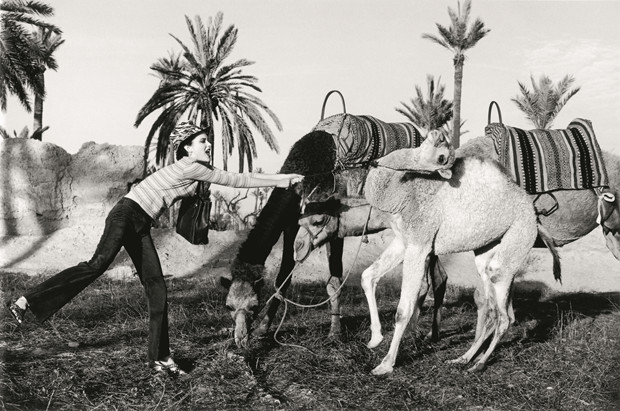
[564, 354]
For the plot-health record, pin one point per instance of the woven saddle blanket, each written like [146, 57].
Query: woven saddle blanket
[548, 160]
[360, 139]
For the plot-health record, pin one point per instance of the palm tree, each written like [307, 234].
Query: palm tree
[458, 38]
[206, 90]
[542, 105]
[47, 41]
[19, 54]
[430, 112]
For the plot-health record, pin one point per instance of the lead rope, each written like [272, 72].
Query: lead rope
[279, 296]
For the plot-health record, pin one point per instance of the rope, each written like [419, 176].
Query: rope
[279, 296]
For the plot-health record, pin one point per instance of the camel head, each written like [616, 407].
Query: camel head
[609, 218]
[436, 154]
[318, 223]
[243, 297]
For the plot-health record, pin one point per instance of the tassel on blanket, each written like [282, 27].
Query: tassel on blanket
[605, 204]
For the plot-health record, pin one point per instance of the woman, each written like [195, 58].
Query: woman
[128, 225]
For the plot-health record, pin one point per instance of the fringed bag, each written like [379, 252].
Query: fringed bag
[194, 213]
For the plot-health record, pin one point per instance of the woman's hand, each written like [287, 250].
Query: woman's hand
[288, 180]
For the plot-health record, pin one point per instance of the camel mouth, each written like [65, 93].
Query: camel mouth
[613, 243]
[303, 245]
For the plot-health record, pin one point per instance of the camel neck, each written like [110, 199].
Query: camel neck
[353, 220]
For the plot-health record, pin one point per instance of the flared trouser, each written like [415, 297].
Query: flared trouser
[127, 225]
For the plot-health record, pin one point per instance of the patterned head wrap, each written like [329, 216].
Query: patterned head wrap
[182, 132]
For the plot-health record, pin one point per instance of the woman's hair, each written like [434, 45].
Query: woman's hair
[182, 150]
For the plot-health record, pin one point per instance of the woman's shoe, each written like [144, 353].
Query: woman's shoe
[17, 312]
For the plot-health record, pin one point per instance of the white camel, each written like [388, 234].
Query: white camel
[322, 221]
[354, 217]
[478, 208]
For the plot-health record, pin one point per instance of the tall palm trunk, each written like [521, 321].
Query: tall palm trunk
[456, 119]
[38, 114]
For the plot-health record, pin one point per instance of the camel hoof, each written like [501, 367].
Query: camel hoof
[259, 332]
[479, 367]
[374, 342]
[459, 360]
[431, 338]
[242, 342]
[336, 335]
[382, 369]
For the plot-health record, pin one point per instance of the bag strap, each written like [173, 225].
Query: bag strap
[344, 107]
[499, 113]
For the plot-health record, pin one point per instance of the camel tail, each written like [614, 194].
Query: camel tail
[548, 240]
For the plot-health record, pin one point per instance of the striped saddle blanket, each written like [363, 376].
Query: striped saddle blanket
[360, 139]
[548, 160]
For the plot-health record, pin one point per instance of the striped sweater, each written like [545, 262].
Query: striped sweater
[160, 190]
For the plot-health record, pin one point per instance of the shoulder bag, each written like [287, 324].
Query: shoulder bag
[194, 213]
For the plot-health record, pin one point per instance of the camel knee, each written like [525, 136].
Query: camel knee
[503, 323]
[404, 314]
[369, 279]
[333, 287]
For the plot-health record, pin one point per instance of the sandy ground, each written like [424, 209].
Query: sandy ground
[587, 265]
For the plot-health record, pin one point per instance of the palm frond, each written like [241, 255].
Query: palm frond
[226, 44]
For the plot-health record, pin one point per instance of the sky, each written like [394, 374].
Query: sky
[371, 51]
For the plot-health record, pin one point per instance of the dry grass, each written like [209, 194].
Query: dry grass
[563, 354]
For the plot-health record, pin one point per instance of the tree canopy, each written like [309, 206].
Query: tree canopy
[458, 38]
[203, 88]
[543, 103]
[20, 53]
[430, 112]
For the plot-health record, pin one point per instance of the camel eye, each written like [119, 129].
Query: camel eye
[318, 222]
[230, 307]
[442, 159]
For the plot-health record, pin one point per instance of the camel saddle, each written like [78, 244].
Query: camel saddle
[542, 161]
[362, 139]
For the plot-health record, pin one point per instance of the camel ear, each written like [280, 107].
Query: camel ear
[225, 282]
[447, 173]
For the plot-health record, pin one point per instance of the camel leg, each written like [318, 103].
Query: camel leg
[502, 269]
[439, 280]
[482, 297]
[287, 265]
[425, 287]
[335, 248]
[482, 260]
[501, 287]
[389, 259]
[414, 264]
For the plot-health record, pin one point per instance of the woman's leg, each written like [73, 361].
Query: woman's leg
[51, 295]
[144, 256]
